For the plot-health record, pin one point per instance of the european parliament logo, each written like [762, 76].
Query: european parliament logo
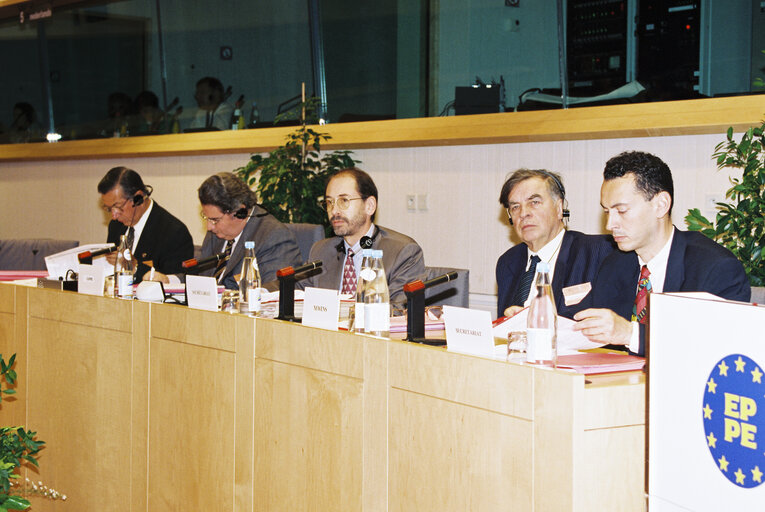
[734, 419]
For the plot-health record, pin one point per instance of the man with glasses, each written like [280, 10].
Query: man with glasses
[233, 217]
[351, 203]
[157, 239]
[534, 200]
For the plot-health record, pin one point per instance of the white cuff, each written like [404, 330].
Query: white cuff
[634, 345]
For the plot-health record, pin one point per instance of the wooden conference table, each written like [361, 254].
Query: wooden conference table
[149, 407]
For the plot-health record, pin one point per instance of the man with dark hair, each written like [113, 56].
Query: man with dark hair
[233, 217]
[157, 239]
[653, 256]
[213, 111]
[351, 203]
[534, 200]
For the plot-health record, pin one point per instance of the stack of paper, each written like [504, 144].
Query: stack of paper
[596, 362]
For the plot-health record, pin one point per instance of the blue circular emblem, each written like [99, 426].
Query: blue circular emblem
[734, 419]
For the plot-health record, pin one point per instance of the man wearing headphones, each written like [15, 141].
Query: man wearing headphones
[233, 217]
[157, 239]
[351, 203]
[534, 200]
[213, 112]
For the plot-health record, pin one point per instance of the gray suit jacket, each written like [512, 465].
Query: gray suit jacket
[275, 248]
[402, 259]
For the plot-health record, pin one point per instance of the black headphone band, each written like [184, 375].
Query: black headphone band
[561, 190]
[365, 242]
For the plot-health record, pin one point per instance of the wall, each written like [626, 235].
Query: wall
[463, 227]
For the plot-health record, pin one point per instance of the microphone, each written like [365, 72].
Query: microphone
[305, 267]
[418, 285]
[199, 265]
[86, 257]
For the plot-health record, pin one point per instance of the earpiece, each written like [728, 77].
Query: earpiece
[138, 200]
[241, 213]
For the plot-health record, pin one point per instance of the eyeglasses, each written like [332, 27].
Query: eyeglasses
[342, 202]
[211, 220]
[114, 207]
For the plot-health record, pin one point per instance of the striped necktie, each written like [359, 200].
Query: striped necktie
[522, 292]
[640, 308]
[222, 263]
[130, 238]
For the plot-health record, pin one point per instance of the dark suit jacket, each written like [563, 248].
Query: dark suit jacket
[696, 264]
[402, 259]
[165, 241]
[578, 260]
[275, 248]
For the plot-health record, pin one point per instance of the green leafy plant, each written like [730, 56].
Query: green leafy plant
[740, 224]
[290, 180]
[17, 446]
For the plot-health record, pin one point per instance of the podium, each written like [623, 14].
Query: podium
[706, 395]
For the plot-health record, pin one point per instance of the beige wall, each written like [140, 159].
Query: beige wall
[464, 225]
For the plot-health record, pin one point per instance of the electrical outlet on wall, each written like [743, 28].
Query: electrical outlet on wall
[411, 202]
[710, 203]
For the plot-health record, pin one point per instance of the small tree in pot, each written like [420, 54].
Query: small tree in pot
[740, 224]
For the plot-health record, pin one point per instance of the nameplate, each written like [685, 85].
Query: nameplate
[91, 280]
[321, 308]
[202, 293]
[468, 331]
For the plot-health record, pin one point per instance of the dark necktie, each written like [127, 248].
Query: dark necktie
[349, 275]
[522, 292]
[222, 263]
[130, 238]
[640, 308]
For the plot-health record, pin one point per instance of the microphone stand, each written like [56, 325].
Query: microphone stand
[415, 308]
[287, 277]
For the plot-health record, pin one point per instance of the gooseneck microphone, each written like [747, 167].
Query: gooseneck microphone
[200, 265]
[86, 257]
[415, 307]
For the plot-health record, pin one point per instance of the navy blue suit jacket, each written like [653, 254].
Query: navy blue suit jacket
[696, 264]
[578, 260]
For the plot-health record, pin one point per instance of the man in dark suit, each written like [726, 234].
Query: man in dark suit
[654, 256]
[534, 203]
[351, 203]
[233, 217]
[158, 239]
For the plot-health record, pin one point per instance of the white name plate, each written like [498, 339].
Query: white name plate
[202, 293]
[91, 280]
[468, 331]
[321, 308]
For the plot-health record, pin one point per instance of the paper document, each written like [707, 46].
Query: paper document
[569, 340]
[60, 263]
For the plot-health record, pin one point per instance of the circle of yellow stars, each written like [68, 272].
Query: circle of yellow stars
[711, 439]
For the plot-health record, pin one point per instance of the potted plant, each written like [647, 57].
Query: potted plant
[290, 180]
[740, 223]
[17, 447]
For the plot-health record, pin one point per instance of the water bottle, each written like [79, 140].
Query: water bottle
[366, 276]
[236, 118]
[542, 324]
[254, 115]
[249, 282]
[377, 299]
[124, 268]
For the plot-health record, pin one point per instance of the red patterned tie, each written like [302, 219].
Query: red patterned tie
[349, 275]
[639, 310]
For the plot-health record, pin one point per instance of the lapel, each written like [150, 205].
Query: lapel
[142, 247]
[675, 276]
[233, 266]
[562, 265]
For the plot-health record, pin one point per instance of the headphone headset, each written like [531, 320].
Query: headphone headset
[241, 213]
[561, 192]
[139, 198]
[365, 242]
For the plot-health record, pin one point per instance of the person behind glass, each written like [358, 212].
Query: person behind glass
[25, 127]
[213, 111]
[351, 202]
[119, 109]
[535, 204]
[157, 239]
[149, 118]
[233, 217]
[654, 256]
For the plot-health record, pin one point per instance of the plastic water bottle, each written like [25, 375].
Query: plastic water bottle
[124, 268]
[254, 115]
[377, 299]
[249, 281]
[366, 276]
[542, 324]
[236, 118]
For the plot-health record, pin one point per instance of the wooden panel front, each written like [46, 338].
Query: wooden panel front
[79, 402]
